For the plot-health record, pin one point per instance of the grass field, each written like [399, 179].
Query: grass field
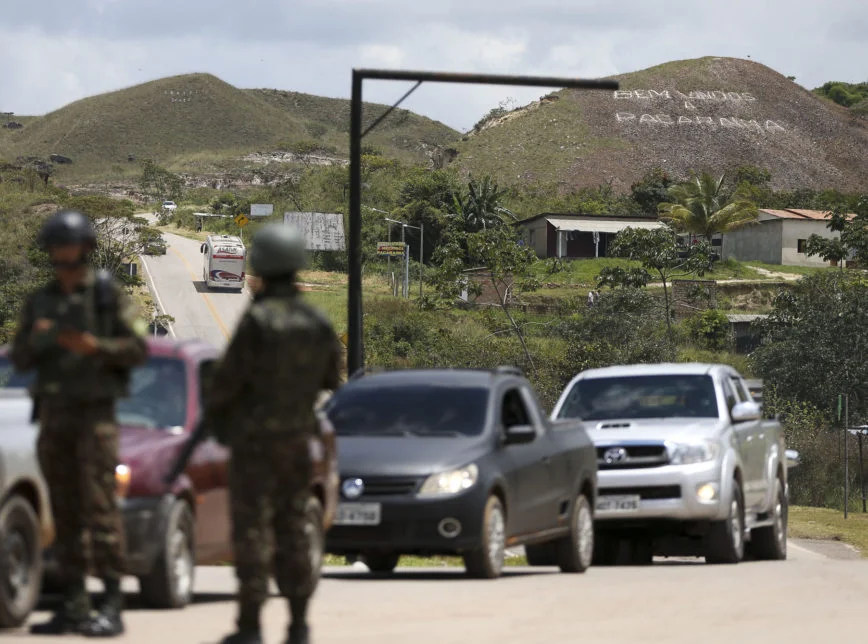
[822, 523]
[409, 561]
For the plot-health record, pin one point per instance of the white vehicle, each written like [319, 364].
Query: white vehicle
[170, 205]
[224, 262]
[26, 526]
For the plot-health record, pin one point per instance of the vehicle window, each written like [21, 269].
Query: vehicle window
[663, 396]
[513, 410]
[158, 395]
[741, 391]
[9, 379]
[411, 410]
[729, 393]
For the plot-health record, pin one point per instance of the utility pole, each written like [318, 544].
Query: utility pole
[846, 453]
[406, 290]
[422, 263]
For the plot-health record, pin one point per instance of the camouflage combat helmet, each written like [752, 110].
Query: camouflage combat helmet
[66, 228]
[278, 251]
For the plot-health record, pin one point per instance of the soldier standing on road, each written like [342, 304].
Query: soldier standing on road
[261, 403]
[82, 336]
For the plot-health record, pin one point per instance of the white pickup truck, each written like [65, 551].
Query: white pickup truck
[687, 464]
[25, 515]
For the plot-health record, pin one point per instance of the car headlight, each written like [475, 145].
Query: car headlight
[122, 480]
[452, 482]
[688, 453]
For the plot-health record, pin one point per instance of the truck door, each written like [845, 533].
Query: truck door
[762, 443]
[749, 445]
[530, 468]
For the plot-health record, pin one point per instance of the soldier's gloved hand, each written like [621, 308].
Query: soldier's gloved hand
[79, 342]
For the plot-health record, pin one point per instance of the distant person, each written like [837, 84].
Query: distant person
[260, 402]
[82, 336]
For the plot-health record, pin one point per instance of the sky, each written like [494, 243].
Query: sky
[58, 51]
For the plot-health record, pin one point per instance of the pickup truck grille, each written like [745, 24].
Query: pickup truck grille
[613, 457]
[387, 485]
[645, 493]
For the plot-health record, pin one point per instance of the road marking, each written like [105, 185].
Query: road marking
[204, 295]
[153, 287]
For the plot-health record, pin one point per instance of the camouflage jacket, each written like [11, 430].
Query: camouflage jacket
[282, 355]
[99, 306]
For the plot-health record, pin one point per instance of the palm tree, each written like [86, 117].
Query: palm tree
[701, 206]
[480, 207]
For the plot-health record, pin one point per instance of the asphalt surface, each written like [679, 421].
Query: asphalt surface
[810, 598]
[175, 280]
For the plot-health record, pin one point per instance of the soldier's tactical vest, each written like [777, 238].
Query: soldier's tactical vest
[63, 374]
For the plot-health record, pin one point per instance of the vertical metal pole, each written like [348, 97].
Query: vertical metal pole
[421, 256]
[862, 475]
[389, 257]
[846, 453]
[405, 291]
[355, 349]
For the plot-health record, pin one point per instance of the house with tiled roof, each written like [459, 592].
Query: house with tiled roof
[779, 237]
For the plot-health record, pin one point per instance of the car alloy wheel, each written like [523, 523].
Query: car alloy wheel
[182, 564]
[585, 529]
[736, 526]
[496, 538]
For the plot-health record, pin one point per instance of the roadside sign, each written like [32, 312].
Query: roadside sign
[261, 209]
[344, 339]
[390, 249]
[242, 220]
[321, 230]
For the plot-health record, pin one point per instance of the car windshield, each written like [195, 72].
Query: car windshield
[409, 410]
[664, 396]
[158, 392]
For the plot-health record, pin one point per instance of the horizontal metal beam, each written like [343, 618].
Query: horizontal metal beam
[485, 79]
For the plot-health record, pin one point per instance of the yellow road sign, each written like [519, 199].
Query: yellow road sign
[241, 220]
[345, 338]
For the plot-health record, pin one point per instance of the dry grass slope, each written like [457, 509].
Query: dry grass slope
[708, 113]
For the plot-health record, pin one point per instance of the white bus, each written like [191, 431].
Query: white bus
[223, 263]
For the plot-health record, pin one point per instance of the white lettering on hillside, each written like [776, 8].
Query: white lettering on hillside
[689, 101]
[709, 122]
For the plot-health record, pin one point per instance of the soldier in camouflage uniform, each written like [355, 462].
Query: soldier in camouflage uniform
[261, 403]
[81, 335]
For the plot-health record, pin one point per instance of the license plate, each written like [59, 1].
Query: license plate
[618, 503]
[357, 514]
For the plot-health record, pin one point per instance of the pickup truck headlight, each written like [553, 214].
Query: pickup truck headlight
[448, 483]
[122, 480]
[689, 453]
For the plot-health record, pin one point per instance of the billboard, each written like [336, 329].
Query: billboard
[261, 209]
[322, 231]
[390, 249]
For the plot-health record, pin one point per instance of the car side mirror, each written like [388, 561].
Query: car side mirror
[519, 434]
[202, 248]
[793, 458]
[745, 411]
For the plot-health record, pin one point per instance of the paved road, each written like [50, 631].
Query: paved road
[175, 280]
[809, 598]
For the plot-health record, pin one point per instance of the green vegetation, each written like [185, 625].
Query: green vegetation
[412, 561]
[830, 525]
[846, 94]
[703, 206]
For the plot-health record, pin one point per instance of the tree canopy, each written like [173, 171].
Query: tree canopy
[703, 206]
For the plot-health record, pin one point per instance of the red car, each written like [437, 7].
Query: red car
[169, 532]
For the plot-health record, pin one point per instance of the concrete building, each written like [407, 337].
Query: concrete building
[779, 237]
[577, 236]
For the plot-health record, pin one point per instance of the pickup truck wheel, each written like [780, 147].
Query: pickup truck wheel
[170, 582]
[381, 563]
[725, 542]
[20, 561]
[542, 554]
[576, 551]
[770, 543]
[486, 562]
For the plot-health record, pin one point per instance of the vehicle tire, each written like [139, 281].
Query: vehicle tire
[381, 563]
[486, 562]
[20, 561]
[316, 533]
[576, 551]
[541, 554]
[770, 543]
[170, 582]
[725, 541]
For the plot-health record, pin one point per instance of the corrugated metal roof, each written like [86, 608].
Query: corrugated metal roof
[745, 317]
[600, 225]
[798, 213]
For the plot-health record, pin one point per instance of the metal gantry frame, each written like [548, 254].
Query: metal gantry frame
[355, 348]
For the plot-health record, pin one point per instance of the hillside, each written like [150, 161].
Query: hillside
[708, 113]
[196, 120]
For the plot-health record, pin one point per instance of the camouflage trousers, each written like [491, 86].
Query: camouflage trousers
[269, 481]
[78, 453]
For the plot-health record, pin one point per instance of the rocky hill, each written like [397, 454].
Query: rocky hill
[709, 113]
[191, 121]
